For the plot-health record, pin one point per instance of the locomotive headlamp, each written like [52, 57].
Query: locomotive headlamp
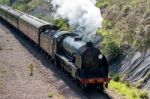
[100, 56]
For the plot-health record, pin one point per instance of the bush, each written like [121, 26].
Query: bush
[116, 77]
[40, 15]
[111, 74]
[128, 84]
[144, 95]
[103, 3]
[20, 6]
[50, 95]
[62, 23]
[31, 5]
[48, 18]
[108, 24]
[112, 50]
[24, 6]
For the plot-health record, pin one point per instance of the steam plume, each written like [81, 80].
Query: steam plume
[83, 15]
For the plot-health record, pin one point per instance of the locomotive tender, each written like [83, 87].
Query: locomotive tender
[80, 59]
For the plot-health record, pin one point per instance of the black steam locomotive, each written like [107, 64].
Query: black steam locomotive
[80, 59]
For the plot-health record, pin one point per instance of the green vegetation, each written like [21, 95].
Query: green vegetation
[144, 95]
[128, 91]
[50, 95]
[20, 6]
[116, 77]
[40, 15]
[112, 44]
[125, 25]
[103, 3]
[1, 83]
[124, 88]
[5, 2]
[25, 6]
[62, 23]
[55, 95]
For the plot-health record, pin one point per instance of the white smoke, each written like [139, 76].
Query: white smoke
[83, 15]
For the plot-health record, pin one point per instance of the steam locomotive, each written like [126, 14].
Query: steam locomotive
[82, 60]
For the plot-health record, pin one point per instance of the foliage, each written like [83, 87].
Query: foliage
[128, 91]
[125, 25]
[108, 24]
[110, 45]
[55, 95]
[115, 77]
[20, 6]
[62, 23]
[50, 95]
[144, 95]
[25, 6]
[111, 49]
[103, 3]
[40, 15]
[5, 2]
[31, 5]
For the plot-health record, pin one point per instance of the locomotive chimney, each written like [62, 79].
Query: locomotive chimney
[78, 38]
[89, 44]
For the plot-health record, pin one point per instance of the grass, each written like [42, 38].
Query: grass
[53, 95]
[144, 95]
[128, 91]
[1, 83]
[50, 95]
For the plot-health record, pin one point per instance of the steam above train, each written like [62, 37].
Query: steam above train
[80, 59]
